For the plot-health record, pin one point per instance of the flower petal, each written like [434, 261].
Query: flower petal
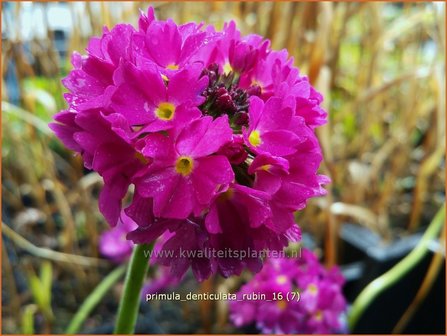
[172, 193]
[164, 42]
[279, 143]
[204, 136]
[211, 175]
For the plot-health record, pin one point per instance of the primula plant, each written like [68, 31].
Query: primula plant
[214, 130]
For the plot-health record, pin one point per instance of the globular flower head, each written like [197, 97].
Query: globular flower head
[214, 130]
[316, 307]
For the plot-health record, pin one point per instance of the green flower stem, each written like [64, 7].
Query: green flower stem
[130, 300]
[94, 298]
[397, 272]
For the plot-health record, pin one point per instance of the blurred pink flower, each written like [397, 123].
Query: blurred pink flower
[113, 243]
[320, 307]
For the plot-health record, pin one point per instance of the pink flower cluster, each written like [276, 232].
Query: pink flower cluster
[318, 309]
[214, 130]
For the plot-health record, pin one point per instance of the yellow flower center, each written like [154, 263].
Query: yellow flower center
[165, 78]
[227, 195]
[281, 279]
[312, 289]
[141, 158]
[184, 165]
[255, 138]
[266, 167]
[318, 315]
[172, 67]
[282, 304]
[165, 111]
[227, 68]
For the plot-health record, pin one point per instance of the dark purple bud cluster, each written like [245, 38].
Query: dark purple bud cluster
[224, 100]
[223, 96]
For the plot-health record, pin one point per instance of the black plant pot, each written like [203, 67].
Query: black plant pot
[365, 259]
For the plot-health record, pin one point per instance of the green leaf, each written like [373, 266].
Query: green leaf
[46, 278]
[28, 319]
[41, 289]
[36, 291]
[94, 298]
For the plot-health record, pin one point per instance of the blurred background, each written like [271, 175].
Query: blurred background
[381, 69]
